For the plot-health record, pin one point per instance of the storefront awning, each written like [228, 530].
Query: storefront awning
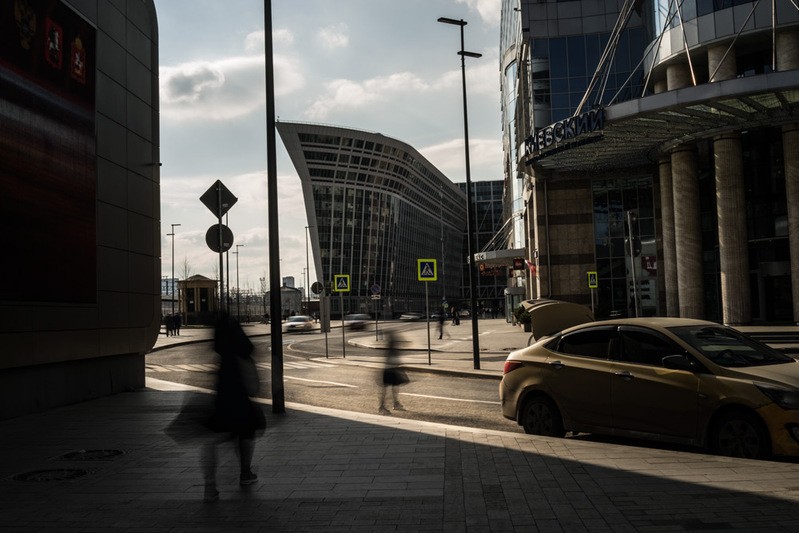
[636, 132]
[500, 257]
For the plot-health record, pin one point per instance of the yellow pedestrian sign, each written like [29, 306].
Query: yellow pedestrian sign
[593, 282]
[341, 283]
[426, 270]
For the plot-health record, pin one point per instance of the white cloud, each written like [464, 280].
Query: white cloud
[224, 89]
[349, 94]
[254, 42]
[449, 156]
[335, 36]
[490, 10]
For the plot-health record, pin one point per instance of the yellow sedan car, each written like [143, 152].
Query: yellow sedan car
[667, 379]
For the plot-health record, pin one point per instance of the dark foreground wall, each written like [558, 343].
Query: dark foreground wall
[79, 199]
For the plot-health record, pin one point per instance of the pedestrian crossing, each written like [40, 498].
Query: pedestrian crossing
[211, 367]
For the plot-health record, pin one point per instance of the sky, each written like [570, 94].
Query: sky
[385, 66]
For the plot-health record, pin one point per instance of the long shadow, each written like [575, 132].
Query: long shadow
[326, 470]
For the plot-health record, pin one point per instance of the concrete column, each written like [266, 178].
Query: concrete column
[730, 205]
[669, 261]
[687, 232]
[678, 75]
[790, 150]
[726, 69]
[787, 50]
[787, 46]
[660, 86]
[733, 240]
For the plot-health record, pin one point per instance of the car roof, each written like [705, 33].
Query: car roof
[655, 322]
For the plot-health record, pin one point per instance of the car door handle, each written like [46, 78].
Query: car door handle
[556, 364]
[625, 375]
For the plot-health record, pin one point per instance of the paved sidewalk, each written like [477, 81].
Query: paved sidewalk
[330, 470]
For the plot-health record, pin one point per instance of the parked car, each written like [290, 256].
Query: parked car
[298, 323]
[356, 321]
[411, 316]
[669, 379]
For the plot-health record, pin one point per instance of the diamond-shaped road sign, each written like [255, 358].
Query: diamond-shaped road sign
[218, 199]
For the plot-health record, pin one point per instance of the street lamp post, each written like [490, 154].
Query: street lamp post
[173, 264]
[469, 202]
[238, 290]
[307, 270]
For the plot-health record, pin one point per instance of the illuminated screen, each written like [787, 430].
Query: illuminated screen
[47, 153]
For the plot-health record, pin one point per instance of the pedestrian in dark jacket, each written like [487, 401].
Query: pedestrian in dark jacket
[393, 377]
[235, 417]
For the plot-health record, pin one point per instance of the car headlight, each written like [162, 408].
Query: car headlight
[784, 397]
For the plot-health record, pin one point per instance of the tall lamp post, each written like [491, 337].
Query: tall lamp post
[307, 270]
[470, 208]
[238, 290]
[173, 264]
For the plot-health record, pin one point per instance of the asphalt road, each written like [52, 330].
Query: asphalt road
[312, 379]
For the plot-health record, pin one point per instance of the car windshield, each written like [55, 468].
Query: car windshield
[726, 347]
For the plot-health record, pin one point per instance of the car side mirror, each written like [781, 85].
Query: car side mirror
[678, 362]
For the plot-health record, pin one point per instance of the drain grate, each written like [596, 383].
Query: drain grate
[90, 455]
[58, 474]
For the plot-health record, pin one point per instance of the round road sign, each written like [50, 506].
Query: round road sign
[212, 238]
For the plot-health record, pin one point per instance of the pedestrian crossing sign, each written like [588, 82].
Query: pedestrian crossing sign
[426, 270]
[341, 283]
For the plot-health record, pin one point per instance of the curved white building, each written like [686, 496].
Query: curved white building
[375, 206]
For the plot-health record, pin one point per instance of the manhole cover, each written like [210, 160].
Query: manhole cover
[90, 455]
[59, 474]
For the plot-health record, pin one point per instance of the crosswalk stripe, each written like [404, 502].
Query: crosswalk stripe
[208, 367]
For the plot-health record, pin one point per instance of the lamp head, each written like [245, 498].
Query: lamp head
[456, 22]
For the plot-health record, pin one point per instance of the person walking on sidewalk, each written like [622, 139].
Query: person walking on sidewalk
[235, 417]
[441, 325]
[393, 377]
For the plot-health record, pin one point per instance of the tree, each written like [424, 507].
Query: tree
[185, 268]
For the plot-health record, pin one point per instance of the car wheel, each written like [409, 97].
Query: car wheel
[540, 416]
[740, 434]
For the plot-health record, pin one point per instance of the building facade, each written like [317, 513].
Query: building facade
[375, 206]
[79, 183]
[491, 233]
[657, 145]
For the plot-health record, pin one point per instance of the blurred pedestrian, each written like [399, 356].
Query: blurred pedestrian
[441, 325]
[393, 377]
[235, 417]
[177, 321]
[169, 324]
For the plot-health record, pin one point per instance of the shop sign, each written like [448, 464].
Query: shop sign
[564, 131]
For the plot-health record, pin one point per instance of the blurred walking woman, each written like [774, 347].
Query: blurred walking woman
[235, 417]
[393, 377]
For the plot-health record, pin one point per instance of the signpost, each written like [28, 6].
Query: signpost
[375, 298]
[593, 284]
[218, 199]
[427, 270]
[341, 284]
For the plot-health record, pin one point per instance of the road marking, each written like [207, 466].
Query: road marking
[199, 367]
[450, 399]
[325, 382]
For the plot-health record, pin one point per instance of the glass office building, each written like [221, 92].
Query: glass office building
[375, 206]
[658, 146]
[491, 233]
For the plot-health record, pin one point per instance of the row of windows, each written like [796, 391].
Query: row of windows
[666, 11]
